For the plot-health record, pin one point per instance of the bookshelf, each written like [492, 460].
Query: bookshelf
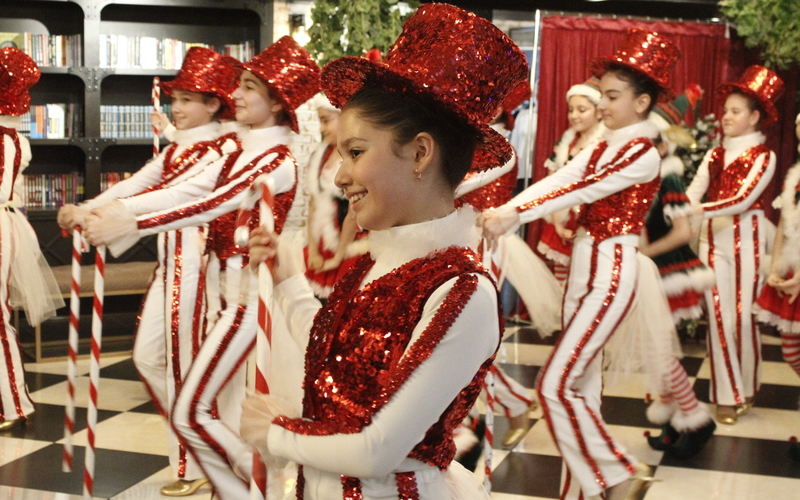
[87, 88]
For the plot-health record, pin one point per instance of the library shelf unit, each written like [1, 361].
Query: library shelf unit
[91, 85]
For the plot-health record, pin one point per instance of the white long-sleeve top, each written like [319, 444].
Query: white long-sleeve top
[199, 200]
[570, 185]
[756, 181]
[382, 447]
[10, 152]
[151, 174]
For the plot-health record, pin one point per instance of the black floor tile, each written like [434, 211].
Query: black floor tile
[519, 471]
[742, 455]
[524, 374]
[630, 412]
[123, 370]
[691, 365]
[771, 352]
[778, 397]
[37, 381]
[531, 336]
[148, 407]
[47, 423]
[115, 471]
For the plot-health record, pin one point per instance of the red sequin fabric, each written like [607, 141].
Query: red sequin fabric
[14, 136]
[726, 182]
[493, 194]
[761, 84]
[645, 52]
[290, 74]
[205, 71]
[624, 211]
[358, 354]
[18, 73]
[220, 230]
[458, 59]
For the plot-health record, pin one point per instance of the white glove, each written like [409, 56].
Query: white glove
[499, 221]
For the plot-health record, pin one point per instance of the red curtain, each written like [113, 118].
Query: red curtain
[569, 44]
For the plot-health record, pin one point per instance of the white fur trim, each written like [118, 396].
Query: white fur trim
[672, 165]
[550, 254]
[357, 247]
[586, 91]
[783, 325]
[561, 150]
[688, 422]
[675, 211]
[688, 313]
[698, 279]
[790, 213]
[660, 413]
[658, 121]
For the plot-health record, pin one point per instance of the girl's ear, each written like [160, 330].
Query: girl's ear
[755, 118]
[424, 148]
[642, 102]
[213, 105]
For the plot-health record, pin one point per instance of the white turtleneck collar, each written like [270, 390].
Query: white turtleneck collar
[257, 139]
[393, 247]
[232, 126]
[742, 142]
[624, 135]
[207, 132]
[9, 121]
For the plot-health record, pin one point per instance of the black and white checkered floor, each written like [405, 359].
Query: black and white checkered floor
[742, 462]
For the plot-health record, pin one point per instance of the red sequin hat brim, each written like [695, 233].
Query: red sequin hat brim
[600, 66]
[343, 78]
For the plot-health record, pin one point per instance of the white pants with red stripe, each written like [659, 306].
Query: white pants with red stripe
[219, 365]
[15, 402]
[512, 396]
[168, 337]
[599, 293]
[732, 247]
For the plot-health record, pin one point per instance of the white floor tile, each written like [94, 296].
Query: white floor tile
[12, 493]
[14, 448]
[125, 432]
[538, 441]
[82, 365]
[763, 423]
[149, 489]
[112, 394]
[692, 484]
[524, 354]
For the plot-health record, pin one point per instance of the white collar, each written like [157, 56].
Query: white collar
[9, 121]
[624, 135]
[742, 142]
[232, 126]
[261, 139]
[393, 247]
[207, 132]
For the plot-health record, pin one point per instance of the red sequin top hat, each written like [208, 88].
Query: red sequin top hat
[460, 60]
[645, 52]
[289, 72]
[761, 84]
[205, 71]
[18, 73]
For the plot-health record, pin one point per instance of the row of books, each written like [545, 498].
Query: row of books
[43, 191]
[108, 179]
[127, 122]
[46, 50]
[52, 121]
[120, 51]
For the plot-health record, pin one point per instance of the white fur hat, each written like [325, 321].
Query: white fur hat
[320, 101]
[590, 89]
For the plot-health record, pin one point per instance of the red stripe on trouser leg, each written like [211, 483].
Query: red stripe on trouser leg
[755, 337]
[509, 393]
[571, 383]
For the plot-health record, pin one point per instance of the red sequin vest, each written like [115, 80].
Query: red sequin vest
[494, 194]
[221, 229]
[355, 360]
[624, 211]
[726, 182]
[17, 162]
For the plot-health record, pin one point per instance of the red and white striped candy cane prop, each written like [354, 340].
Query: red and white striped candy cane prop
[94, 369]
[261, 193]
[156, 98]
[79, 246]
[488, 449]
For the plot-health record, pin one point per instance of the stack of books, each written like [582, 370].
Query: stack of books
[144, 52]
[127, 122]
[49, 191]
[46, 50]
[52, 121]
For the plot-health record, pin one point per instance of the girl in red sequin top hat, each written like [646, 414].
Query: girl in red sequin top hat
[273, 84]
[167, 337]
[25, 279]
[731, 182]
[616, 181]
[777, 303]
[398, 354]
[586, 128]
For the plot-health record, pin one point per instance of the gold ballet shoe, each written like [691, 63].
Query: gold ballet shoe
[183, 487]
[514, 436]
[727, 415]
[641, 481]
[13, 424]
[745, 407]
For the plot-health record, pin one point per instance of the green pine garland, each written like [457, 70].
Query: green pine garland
[353, 27]
[773, 25]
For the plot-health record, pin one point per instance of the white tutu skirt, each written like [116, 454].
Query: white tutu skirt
[33, 287]
[535, 284]
[646, 340]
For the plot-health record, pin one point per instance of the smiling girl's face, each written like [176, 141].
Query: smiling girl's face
[582, 114]
[192, 109]
[254, 106]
